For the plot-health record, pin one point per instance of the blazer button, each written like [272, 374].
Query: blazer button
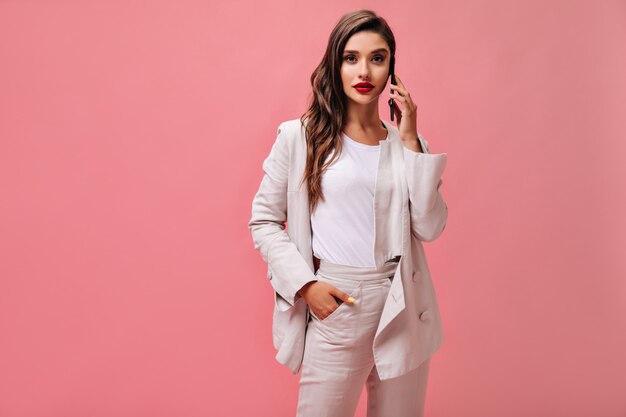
[424, 315]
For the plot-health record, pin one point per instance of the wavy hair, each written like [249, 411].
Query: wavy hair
[325, 118]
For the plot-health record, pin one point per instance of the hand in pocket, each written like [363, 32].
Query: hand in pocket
[324, 298]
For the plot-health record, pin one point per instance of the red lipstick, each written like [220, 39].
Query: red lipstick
[363, 87]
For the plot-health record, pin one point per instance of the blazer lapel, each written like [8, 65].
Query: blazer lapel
[388, 201]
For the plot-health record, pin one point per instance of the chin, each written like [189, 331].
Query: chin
[364, 100]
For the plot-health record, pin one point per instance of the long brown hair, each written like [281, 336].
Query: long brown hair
[325, 117]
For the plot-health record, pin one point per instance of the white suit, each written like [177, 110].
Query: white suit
[409, 209]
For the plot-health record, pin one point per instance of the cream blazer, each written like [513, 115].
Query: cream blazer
[408, 208]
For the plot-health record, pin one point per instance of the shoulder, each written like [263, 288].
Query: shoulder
[290, 127]
[291, 133]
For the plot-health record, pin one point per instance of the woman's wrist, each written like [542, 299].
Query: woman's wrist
[413, 144]
[303, 289]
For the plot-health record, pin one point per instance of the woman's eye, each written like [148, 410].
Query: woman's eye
[349, 57]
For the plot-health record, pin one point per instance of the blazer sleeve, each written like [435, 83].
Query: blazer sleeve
[429, 211]
[287, 269]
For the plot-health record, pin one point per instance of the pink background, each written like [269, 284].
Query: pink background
[131, 141]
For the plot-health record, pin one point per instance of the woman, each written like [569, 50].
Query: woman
[354, 301]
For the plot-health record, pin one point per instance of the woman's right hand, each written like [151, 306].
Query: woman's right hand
[322, 298]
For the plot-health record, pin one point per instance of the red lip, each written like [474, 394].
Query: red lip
[363, 88]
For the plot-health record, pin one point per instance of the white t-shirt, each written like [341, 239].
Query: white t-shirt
[343, 225]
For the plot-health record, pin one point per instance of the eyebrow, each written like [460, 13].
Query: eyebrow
[351, 51]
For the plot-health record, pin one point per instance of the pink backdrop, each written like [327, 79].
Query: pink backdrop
[131, 141]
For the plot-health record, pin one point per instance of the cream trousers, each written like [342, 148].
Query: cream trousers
[338, 355]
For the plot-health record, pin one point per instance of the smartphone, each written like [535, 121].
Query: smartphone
[392, 64]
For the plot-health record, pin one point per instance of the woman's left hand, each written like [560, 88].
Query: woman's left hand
[407, 116]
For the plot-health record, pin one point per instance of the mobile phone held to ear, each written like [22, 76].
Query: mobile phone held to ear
[393, 81]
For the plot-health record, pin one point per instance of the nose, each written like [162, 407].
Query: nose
[365, 69]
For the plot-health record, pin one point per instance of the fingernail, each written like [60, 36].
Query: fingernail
[351, 299]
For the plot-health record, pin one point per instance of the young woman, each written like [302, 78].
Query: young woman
[354, 300]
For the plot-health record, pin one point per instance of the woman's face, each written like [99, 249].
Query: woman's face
[365, 58]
